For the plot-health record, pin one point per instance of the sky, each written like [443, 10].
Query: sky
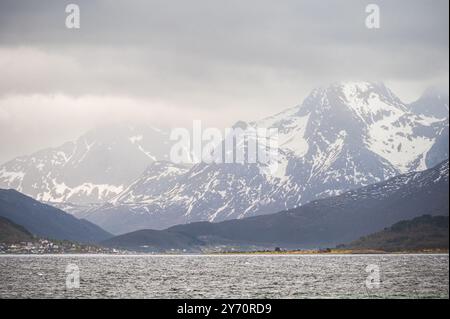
[166, 62]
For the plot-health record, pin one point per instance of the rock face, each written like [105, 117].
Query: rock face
[342, 137]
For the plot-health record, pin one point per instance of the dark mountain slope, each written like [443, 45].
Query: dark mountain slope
[325, 222]
[342, 218]
[425, 232]
[46, 221]
[13, 233]
[153, 240]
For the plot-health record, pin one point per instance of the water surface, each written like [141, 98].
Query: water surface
[243, 276]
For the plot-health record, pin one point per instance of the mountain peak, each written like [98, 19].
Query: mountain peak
[343, 86]
[363, 91]
[361, 86]
[368, 101]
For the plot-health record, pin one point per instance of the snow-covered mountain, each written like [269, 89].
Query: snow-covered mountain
[434, 104]
[93, 169]
[340, 138]
[321, 223]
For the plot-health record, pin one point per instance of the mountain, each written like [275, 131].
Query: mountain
[321, 223]
[13, 233]
[342, 137]
[433, 103]
[425, 232]
[93, 169]
[46, 221]
[152, 240]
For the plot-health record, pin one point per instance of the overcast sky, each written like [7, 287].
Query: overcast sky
[168, 62]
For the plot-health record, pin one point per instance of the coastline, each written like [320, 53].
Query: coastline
[341, 252]
[243, 253]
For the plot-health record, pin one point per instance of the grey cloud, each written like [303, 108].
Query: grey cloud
[244, 58]
[141, 45]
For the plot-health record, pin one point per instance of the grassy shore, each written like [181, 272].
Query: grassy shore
[335, 252]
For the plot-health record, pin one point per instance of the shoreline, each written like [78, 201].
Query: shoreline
[342, 252]
[249, 253]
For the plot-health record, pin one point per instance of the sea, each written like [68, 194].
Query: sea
[250, 276]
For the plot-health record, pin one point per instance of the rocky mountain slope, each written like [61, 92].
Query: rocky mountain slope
[321, 223]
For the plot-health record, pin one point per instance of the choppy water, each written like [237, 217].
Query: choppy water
[311, 276]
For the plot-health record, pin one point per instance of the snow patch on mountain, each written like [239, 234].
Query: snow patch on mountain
[61, 193]
[93, 169]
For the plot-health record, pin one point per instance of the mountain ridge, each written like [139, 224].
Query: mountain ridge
[93, 169]
[321, 223]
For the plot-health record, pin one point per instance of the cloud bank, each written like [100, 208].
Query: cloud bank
[168, 62]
